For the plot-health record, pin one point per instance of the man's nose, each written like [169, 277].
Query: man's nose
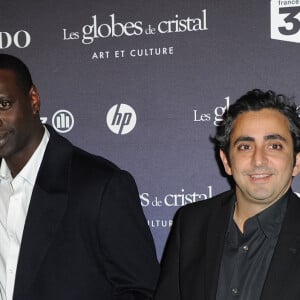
[259, 157]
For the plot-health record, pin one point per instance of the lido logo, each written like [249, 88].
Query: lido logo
[121, 119]
[285, 20]
[20, 39]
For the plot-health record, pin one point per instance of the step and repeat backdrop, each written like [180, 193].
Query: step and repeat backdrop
[145, 83]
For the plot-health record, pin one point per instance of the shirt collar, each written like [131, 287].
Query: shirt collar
[31, 168]
[271, 218]
[268, 221]
[4, 171]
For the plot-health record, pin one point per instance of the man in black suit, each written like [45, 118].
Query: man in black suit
[245, 243]
[71, 224]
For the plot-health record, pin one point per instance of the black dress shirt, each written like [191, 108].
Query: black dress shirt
[247, 256]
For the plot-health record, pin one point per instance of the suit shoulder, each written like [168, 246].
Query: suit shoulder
[91, 170]
[91, 161]
[205, 206]
[80, 158]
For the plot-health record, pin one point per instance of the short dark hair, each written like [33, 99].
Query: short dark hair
[21, 71]
[256, 100]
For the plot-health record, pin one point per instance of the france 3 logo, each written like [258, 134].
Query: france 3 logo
[121, 119]
[285, 20]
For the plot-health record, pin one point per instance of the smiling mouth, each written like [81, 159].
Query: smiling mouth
[260, 177]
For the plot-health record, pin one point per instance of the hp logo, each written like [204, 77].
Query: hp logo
[63, 121]
[121, 119]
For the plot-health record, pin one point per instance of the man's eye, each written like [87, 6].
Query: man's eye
[244, 147]
[5, 104]
[275, 146]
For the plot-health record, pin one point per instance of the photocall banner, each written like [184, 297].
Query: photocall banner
[145, 83]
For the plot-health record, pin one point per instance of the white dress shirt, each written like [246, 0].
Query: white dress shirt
[15, 194]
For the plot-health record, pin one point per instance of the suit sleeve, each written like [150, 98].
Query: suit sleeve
[169, 283]
[125, 239]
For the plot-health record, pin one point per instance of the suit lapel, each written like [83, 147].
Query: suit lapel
[215, 242]
[286, 253]
[46, 209]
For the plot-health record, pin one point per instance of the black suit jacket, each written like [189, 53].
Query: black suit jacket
[192, 257]
[85, 235]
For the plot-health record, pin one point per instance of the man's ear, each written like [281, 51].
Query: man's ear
[35, 99]
[296, 169]
[225, 162]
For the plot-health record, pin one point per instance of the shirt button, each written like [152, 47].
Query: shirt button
[245, 248]
[235, 291]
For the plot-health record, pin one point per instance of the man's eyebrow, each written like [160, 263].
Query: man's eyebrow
[274, 137]
[243, 139]
[266, 138]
